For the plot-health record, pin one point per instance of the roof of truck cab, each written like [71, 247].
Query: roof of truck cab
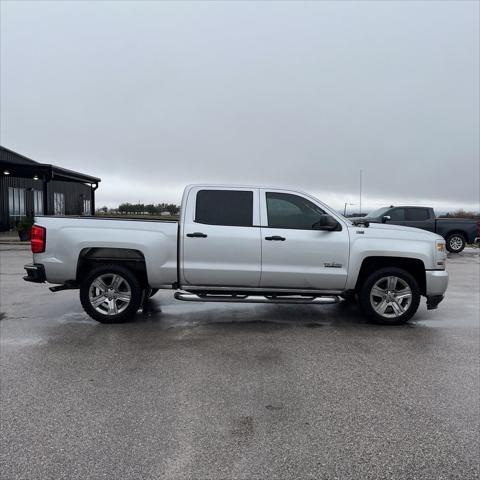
[410, 206]
[257, 187]
[249, 187]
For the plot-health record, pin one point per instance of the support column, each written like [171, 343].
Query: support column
[92, 201]
[46, 210]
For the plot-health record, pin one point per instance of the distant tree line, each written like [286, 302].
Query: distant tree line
[143, 209]
[462, 214]
[174, 210]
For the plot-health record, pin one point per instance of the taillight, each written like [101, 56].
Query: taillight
[38, 239]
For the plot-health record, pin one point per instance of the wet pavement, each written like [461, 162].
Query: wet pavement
[195, 390]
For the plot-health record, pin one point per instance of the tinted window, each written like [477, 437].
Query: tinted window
[285, 210]
[378, 213]
[224, 207]
[418, 214]
[397, 215]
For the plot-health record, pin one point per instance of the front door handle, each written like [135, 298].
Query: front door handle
[197, 235]
[276, 237]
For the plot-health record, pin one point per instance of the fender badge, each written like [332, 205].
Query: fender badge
[332, 265]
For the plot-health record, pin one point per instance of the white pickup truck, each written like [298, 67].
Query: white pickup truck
[241, 244]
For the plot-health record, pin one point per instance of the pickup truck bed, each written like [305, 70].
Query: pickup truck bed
[94, 237]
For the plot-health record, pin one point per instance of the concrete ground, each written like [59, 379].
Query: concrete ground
[237, 391]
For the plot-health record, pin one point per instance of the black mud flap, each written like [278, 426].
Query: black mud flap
[433, 301]
[35, 273]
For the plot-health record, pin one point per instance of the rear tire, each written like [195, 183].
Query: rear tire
[389, 296]
[455, 242]
[111, 294]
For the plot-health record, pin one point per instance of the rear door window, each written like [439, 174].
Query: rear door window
[418, 214]
[224, 207]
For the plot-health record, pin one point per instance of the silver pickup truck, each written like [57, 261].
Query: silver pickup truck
[241, 244]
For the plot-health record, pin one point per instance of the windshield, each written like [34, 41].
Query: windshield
[378, 213]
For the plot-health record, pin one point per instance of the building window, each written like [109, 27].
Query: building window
[59, 203]
[38, 202]
[16, 202]
[87, 207]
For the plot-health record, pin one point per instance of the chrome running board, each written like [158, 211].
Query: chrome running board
[315, 300]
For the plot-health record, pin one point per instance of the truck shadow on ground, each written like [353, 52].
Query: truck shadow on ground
[273, 317]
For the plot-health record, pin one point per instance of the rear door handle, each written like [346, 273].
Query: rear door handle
[276, 237]
[197, 235]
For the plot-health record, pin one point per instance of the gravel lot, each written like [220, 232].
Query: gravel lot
[237, 391]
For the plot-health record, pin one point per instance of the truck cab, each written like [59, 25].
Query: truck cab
[418, 217]
[260, 238]
[456, 231]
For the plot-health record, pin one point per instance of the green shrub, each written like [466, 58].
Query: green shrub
[24, 225]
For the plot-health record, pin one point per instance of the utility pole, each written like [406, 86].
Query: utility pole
[361, 191]
[345, 208]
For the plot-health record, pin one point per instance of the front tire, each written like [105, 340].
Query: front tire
[455, 242]
[389, 296]
[111, 294]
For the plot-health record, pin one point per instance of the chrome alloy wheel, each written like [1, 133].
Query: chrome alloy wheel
[390, 297]
[456, 242]
[110, 294]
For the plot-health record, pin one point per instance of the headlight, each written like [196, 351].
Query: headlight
[440, 254]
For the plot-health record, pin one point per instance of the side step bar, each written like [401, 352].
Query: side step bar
[191, 297]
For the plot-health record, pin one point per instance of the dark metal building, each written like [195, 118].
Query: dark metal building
[29, 188]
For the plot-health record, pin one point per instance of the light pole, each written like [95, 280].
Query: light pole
[345, 208]
[361, 191]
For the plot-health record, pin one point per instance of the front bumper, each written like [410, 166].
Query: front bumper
[35, 273]
[436, 282]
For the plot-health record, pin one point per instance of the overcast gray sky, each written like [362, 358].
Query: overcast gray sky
[153, 95]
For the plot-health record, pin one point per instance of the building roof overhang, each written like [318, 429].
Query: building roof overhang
[20, 166]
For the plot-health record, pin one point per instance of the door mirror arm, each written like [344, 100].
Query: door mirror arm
[326, 228]
[326, 223]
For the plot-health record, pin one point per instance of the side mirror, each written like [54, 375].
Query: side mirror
[386, 218]
[326, 223]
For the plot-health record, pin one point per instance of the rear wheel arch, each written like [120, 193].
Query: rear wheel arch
[413, 266]
[456, 230]
[90, 258]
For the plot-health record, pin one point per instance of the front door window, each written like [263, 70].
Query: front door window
[285, 210]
